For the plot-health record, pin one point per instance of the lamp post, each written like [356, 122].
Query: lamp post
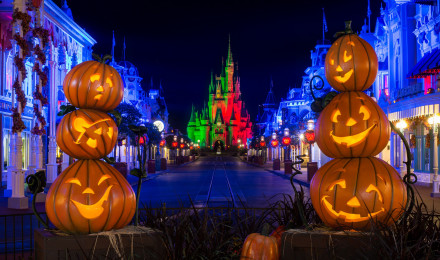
[286, 141]
[310, 126]
[276, 161]
[402, 125]
[434, 121]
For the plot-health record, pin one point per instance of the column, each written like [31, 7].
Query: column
[435, 182]
[65, 162]
[11, 166]
[33, 157]
[402, 155]
[51, 166]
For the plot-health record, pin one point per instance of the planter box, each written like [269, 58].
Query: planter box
[302, 244]
[136, 242]
[151, 166]
[163, 164]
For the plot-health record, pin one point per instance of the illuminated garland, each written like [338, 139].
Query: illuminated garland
[43, 36]
[17, 121]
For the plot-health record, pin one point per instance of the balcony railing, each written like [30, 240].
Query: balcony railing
[411, 90]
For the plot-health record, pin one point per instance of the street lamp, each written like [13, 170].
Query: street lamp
[434, 121]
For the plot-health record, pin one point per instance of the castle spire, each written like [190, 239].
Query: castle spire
[229, 59]
[113, 48]
[192, 119]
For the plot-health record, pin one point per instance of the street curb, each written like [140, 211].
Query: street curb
[152, 176]
[284, 176]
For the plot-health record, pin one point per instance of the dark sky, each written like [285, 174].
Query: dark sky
[179, 42]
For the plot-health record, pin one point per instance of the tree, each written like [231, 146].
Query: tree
[130, 116]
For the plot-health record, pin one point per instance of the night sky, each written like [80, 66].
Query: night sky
[179, 42]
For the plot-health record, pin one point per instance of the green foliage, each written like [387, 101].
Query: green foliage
[65, 109]
[130, 115]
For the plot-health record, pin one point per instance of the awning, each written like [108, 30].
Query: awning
[428, 65]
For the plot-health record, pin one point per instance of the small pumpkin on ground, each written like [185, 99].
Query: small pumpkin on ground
[260, 246]
[278, 233]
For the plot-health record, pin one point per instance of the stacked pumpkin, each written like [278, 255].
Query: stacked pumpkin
[355, 188]
[90, 195]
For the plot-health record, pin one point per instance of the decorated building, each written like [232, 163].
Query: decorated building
[224, 120]
[407, 86]
[68, 44]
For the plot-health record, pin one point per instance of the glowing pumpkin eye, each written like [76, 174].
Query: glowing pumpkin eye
[365, 111]
[347, 58]
[103, 178]
[332, 62]
[335, 115]
[337, 182]
[74, 181]
[374, 188]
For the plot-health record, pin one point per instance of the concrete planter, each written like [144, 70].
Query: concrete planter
[136, 242]
[302, 244]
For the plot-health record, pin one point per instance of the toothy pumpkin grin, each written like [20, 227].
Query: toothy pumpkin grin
[347, 217]
[352, 140]
[95, 210]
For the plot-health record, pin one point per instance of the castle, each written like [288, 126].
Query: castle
[224, 121]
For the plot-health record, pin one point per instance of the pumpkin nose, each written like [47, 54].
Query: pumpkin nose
[88, 191]
[350, 122]
[354, 202]
[339, 69]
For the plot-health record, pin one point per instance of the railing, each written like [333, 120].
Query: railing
[17, 236]
[17, 231]
[411, 90]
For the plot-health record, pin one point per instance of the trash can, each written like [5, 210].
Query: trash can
[312, 167]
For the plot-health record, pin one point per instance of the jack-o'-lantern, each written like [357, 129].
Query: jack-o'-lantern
[87, 134]
[90, 196]
[351, 63]
[349, 193]
[95, 85]
[352, 125]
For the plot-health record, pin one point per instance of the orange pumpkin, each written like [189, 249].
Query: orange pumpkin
[90, 196]
[352, 125]
[93, 84]
[351, 64]
[87, 134]
[348, 193]
[278, 234]
[260, 246]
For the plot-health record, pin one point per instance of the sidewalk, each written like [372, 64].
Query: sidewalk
[422, 190]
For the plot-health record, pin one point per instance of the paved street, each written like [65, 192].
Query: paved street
[215, 181]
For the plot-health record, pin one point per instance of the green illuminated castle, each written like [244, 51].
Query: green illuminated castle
[224, 120]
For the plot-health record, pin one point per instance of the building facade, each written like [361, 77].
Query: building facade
[224, 120]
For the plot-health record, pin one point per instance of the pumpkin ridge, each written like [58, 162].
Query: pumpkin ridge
[79, 82]
[102, 82]
[350, 115]
[354, 64]
[88, 195]
[336, 187]
[70, 194]
[392, 184]
[62, 139]
[375, 177]
[89, 87]
[110, 197]
[109, 97]
[339, 51]
[69, 78]
[380, 128]
[356, 182]
[334, 128]
[365, 146]
[369, 64]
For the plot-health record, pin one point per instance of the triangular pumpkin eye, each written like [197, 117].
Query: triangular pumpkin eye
[365, 111]
[98, 131]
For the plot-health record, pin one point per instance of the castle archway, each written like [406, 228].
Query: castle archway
[219, 144]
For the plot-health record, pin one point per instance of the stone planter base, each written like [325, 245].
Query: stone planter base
[302, 244]
[127, 243]
[276, 164]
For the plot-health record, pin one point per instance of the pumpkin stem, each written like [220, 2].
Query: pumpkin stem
[347, 30]
[266, 230]
[96, 57]
[106, 58]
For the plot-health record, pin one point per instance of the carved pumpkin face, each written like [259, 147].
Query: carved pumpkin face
[95, 85]
[90, 196]
[351, 64]
[349, 192]
[87, 134]
[352, 125]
